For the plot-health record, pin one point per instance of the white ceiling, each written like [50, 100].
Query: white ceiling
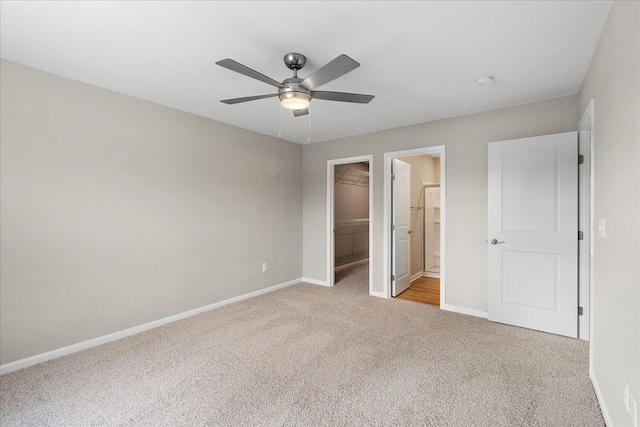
[420, 59]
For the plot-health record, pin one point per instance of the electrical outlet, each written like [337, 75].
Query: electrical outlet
[264, 266]
[625, 395]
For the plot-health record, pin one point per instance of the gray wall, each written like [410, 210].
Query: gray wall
[117, 212]
[466, 141]
[613, 80]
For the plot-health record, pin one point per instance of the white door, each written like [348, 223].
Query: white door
[400, 219]
[533, 233]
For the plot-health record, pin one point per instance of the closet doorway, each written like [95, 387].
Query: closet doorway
[349, 217]
[418, 259]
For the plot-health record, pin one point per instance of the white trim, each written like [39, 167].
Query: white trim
[416, 276]
[94, 342]
[352, 264]
[603, 406]
[315, 282]
[386, 216]
[443, 227]
[377, 294]
[463, 310]
[330, 218]
[585, 223]
[433, 276]
[587, 123]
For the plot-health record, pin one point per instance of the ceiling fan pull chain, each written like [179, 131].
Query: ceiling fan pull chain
[309, 115]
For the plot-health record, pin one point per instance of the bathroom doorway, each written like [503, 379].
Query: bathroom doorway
[422, 254]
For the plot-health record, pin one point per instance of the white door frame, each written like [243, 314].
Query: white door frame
[587, 124]
[386, 217]
[330, 214]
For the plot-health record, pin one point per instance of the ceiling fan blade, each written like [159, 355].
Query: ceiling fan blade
[243, 69]
[248, 98]
[298, 113]
[331, 71]
[342, 96]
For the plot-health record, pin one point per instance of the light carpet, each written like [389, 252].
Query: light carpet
[307, 356]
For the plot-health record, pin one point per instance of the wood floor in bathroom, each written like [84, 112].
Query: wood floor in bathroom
[425, 290]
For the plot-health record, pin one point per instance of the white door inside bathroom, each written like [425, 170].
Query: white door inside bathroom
[533, 233]
[401, 216]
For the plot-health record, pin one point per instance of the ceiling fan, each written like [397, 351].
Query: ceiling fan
[295, 93]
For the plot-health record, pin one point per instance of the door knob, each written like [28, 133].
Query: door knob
[495, 242]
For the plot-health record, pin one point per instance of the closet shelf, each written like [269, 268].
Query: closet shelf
[427, 184]
[352, 222]
[345, 175]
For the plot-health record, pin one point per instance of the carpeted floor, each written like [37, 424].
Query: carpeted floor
[308, 356]
[356, 275]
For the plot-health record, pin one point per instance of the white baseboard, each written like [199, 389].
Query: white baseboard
[433, 275]
[352, 264]
[416, 276]
[603, 406]
[315, 282]
[54, 354]
[463, 310]
[377, 294]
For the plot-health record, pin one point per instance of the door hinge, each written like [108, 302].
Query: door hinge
[580, 235]
[580, 311]
[393, 226]
[580, 159]
[393, 176]
[393, 278]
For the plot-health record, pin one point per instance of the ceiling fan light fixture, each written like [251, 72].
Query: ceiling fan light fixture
[295, 100]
